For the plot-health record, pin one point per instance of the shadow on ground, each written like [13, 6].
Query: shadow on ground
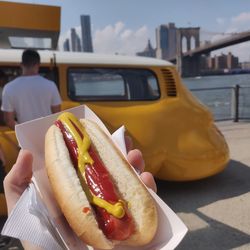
[187, 197]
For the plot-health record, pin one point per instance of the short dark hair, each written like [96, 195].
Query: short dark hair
[30, 58]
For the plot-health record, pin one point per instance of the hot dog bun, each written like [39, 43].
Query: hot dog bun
[71, 198]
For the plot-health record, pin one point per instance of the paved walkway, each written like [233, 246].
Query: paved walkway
[217, 209]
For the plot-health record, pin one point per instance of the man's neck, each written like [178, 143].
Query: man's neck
[30, 71]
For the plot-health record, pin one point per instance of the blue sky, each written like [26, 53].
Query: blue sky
[124, 26]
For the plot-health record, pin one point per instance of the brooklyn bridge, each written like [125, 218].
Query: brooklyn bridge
[189, 62]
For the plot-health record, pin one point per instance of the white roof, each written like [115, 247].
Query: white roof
[13, 55]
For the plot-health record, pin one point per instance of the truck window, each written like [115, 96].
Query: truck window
[107, 84]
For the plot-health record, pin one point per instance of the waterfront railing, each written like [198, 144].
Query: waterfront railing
[226, 103]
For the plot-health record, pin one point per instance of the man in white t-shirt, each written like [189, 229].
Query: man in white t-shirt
[30, 95]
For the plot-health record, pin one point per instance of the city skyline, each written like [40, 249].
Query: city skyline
[115, 25]
[166, 46]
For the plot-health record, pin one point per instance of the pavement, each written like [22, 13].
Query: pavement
[216, 210]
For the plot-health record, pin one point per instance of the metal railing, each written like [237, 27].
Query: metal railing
[226, 103]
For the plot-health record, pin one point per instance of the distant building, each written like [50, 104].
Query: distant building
[210, 63]
[86, 34]
[228, 61]
[204, 62]
[245, 65]
[221, 62]
[148, 51]
[161, 41]
[166, 39]
[66, 46]
[172, 40]
[232, 61]
[75, 41]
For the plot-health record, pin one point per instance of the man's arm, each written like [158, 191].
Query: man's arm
[55, 109]
[9, 119]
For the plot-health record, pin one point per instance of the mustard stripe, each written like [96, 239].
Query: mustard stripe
[82, 144]
[84, 158]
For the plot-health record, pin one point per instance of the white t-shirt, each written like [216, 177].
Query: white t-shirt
[30, 97]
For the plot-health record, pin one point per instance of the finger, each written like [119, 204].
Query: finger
[18, 178]
[136, 160]
[129, 143]
[149, 181]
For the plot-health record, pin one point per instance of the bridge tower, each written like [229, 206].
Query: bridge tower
[190, 66]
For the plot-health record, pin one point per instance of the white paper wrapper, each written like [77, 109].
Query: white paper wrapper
[38, 219]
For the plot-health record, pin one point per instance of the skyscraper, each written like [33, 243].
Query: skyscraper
[86, 34]
[66, 45]
[161, 41]
[166, 41]
[172, 40]
[75, 41]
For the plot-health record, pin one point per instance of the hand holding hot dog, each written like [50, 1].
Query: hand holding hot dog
[20, 175]
[103, 200]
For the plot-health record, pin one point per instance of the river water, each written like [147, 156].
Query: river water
[218, 94]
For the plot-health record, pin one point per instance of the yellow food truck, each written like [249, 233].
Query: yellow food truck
[175, 132]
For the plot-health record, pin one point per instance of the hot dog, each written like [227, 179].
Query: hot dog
[100, 195]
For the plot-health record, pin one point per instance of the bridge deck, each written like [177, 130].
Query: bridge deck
[217, 44]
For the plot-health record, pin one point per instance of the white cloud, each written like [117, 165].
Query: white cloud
[220, 20]
[119, 39]
[115, 39]
[242, 18]
[119, 27]
[240, 23]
